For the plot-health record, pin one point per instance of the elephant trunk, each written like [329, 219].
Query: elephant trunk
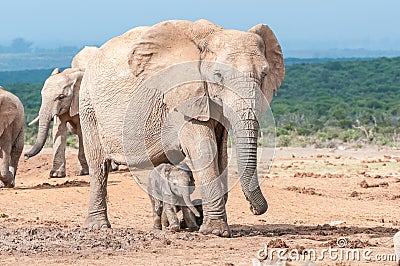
[190, 205]
[44, 124]
[246, 134]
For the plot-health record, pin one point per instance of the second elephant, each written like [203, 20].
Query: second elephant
[60, 99]
[11, 136]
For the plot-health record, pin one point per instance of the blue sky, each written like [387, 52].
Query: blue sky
[297, 23]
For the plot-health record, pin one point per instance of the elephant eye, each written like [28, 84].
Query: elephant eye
[264, 71]
[218, 77]
[61, 96]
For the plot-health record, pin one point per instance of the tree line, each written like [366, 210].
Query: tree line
[344, 101]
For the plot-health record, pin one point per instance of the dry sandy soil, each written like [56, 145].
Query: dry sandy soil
[316, 196]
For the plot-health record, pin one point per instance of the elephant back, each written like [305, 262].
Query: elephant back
[82, 58]
[11, 112]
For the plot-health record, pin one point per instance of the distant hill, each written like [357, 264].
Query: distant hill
[21, 55]
[21, 61]
[24, 76]
[26, 58]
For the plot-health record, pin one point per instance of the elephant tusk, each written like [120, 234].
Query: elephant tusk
[34, 121]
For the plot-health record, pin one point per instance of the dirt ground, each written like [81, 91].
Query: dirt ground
[336, 202]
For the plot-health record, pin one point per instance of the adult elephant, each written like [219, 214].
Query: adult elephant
[11, 136]
[127, 112]
[60, 99]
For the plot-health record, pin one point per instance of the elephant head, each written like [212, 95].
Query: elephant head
[233, 70]
[60, 94]
[243, 70]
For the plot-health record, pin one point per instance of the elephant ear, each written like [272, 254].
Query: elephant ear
[8, 111]
[273, 53]
[167, 58]
[76, 78]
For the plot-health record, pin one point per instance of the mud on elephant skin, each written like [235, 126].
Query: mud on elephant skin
[116, 94]
[169, 188]
[11, 136]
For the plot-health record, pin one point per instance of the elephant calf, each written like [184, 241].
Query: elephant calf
[169, 188]
[11, 136]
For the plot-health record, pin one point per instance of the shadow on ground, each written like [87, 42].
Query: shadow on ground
[275, 230]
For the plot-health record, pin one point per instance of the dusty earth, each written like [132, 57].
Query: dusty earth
[337, 201]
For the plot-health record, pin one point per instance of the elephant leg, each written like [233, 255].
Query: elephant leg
[114, 166]
[157, 208]
[222, 142]
[164, 220]
[173, 220]
[202, 151]
[60, 142]
[16, 152]
[189, 218]
[83, 167]
[99, 167]
[199, 206]
[97, 214]
[6, 177]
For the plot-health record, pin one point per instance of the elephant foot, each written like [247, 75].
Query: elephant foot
[7, 181]
[157, 227]
[174, 227]
[114, 167]
[164, 220]
[193, 228]
[57, 173]
[157, 223]
[216, 226]
[182, 224]
[7, 184]
[97, 222]
[83, 171]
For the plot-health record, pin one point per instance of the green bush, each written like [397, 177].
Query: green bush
[280, 131]
[72, 141]
[384, 142]
[322, 136]
[349, 135]
[284, 141]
